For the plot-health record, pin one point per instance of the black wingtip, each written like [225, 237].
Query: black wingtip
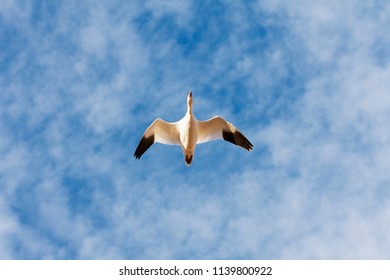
[137, 155]
[243, 141]
[143, 145]
[237, 138]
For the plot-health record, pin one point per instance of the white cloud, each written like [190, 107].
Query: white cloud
[16, 12]
[8, 228]
[331, 150]
[94, 40]
[182, 10]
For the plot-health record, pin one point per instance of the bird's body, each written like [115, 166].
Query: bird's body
[188, 132]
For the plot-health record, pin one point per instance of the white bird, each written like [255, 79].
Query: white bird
[188, 132]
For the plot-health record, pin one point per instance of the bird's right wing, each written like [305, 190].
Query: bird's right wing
[159, 131]
[217, 128]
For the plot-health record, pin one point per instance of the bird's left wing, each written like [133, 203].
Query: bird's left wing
[159, 131]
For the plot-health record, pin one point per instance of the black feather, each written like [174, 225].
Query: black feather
[143, 145]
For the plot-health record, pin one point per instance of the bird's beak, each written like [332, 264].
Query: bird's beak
[190, 94]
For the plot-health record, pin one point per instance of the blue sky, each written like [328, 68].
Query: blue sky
[306, 81]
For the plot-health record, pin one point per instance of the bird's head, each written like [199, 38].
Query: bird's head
[189, 100]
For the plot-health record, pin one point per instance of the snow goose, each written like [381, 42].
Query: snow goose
[188, 132]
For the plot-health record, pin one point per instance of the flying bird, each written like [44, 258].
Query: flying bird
[188, 132]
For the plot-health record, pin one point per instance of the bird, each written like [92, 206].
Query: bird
[188, 132]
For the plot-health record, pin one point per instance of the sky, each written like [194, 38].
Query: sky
[307, 82]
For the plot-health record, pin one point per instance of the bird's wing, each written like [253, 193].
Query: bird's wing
[159, 131]
[217, 128]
